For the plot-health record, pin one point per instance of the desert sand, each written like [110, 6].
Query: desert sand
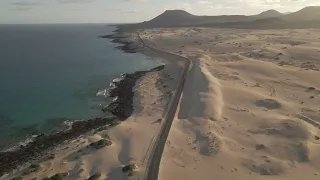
[250, 108]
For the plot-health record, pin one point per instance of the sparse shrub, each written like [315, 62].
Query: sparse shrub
[260, 146]
[130, 168]
[34, 166]
[100, 129]
[101, 143]
[311, 89]
[17, 178]
[114, 123]
[58, 176]
[95, 176]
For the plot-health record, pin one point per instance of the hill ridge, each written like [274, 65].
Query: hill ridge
[308, 17]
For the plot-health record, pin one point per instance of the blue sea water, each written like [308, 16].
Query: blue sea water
[50, 73]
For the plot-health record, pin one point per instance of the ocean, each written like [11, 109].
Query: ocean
[53, 73]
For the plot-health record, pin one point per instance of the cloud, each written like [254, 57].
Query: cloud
[258, 4]
[136, 0]
[269, 4]
[25, 3]
[20, 9]
[123, 11]
[131, 11]
[184, 6]
[76, 1]
[76, 10]
[205, 2]
[253, 5]
[210, 5]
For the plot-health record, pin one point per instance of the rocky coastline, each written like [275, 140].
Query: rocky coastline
[126, 41]
[43, 143]
[42, 147]
[122, 107]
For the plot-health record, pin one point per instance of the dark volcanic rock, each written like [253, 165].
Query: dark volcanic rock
[56, 121]
[32, 168]
[17, 178]
[36, 149]
[110, 36]
[122, 106]
[56, 124]
[22, 131]
[126, 46]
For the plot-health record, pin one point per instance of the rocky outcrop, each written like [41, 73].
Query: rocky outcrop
[34, 150]
[126, 45]
[122, 107]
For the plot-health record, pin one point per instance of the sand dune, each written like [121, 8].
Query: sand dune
[250, 106]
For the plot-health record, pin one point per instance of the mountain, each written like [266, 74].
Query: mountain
[311, 13]
[171, 18]
[180, 18]
[177, 18]
[308, 17]
[267, 14]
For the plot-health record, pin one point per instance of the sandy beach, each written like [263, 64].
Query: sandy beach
[250, 108]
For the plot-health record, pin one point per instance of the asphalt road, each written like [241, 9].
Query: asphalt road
[153, 157]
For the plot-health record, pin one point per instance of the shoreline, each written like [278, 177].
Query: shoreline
[126, 41]
[153, 156]
[42, 147]
[122, 107]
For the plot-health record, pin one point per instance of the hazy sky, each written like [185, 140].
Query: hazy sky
[103, 11]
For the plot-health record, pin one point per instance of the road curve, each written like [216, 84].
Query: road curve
[152, 159]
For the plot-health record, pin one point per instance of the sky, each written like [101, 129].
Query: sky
[120, 11]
